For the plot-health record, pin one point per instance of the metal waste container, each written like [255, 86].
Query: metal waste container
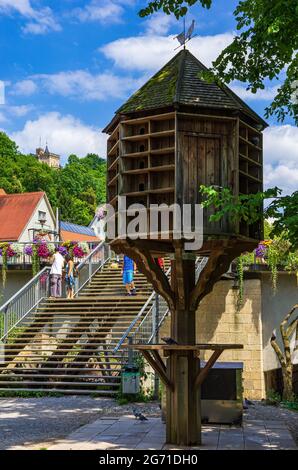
[222, 394]
[130, 380]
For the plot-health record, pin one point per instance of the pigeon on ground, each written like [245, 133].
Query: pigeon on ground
[142, 417]
[248, 402]
[168, 340]
[136, 413]
[139, 415]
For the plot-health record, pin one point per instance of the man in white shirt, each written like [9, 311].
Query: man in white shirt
[56, 274]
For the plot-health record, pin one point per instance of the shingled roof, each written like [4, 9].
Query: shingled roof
[178, 83]
[16, 211]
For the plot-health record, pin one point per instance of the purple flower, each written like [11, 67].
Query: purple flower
[63, 250]
[28, 250]
[261, 251]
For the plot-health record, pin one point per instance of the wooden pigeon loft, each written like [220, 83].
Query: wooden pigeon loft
[178, 132]
[174, 134]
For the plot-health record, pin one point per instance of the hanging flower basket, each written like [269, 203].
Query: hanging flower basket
[6, 251]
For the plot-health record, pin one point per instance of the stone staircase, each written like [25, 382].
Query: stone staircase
[66, 346]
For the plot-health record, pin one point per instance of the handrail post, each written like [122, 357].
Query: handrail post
[155, 323]
[130, 353]
[5, 324]
[90, 267]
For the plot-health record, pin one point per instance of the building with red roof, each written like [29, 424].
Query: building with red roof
[21, 215]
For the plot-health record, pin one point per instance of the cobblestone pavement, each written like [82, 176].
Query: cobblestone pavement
[37, 423]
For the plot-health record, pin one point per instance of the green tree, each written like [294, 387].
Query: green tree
[283, 210]
[77, 188]
[8, 147]
[265, 48]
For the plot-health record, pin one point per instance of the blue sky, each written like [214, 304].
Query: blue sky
[68, 65]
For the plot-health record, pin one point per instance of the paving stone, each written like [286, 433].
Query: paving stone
[127, 433]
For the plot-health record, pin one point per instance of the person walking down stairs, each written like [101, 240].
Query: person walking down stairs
[128, 271]
[56, 274]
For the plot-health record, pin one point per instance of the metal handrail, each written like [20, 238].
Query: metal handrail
[154, 332]
[21, 304]
[200, 264]
[88, 261]
[21, 259]
[88, 257]
[139, 315]
[23, 289]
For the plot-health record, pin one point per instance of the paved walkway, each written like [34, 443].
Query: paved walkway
[119, 433]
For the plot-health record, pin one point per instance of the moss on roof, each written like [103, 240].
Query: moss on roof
[159, 91]
[179, 82]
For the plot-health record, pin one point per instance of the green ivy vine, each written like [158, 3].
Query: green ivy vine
[35, 260]
[272, 260]
[4, 265]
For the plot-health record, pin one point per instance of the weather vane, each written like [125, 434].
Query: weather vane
[184, 37]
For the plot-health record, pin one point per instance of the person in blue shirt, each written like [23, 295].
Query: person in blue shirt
[128, 271]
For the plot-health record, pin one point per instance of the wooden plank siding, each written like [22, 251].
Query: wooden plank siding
[206, 152]
[165, 158]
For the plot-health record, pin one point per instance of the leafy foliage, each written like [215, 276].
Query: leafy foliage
[77, 188]
[265, 47]
[243, 207]
[282, 249]
[178, 7]
[284, 211]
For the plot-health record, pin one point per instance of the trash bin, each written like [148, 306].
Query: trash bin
[130, 380]
[222, 394]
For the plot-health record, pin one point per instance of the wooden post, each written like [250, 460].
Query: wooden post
[183, 402]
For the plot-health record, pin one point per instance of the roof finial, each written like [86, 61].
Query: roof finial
[185, 37]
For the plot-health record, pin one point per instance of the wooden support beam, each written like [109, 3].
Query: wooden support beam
[204, 372]
[218, 264]
[180, 277]
[147, 266]
[159, 360]
[160, 370]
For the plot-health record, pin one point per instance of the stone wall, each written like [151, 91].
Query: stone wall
[218, 321]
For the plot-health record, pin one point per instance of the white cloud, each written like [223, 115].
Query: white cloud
[21, 6]
[65, 135]
[24, 88]
[3, 118]
[147, 53]
[281, 145]
[281, 157]
[267, 94]
[80, 84]
[40, 21]
[159, 24]
[9, 112]
[281, 176]
[102, 11]
[20, 111]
